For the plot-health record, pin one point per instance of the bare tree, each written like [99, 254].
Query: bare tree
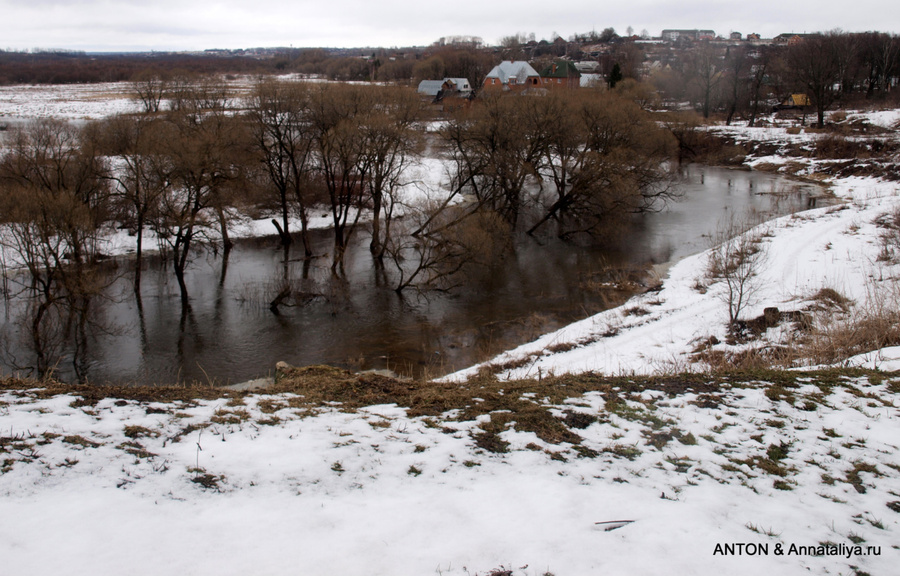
[497, 148]
[815, 63]
[736, 260]
[737, 70]
[606, 158]
[391, 142]
[342, 164]
[283, 137]
[150, 87]
[142, 174]
[54, 199]
[760, 68]
[451, 241]
[201, 147]
[706, 71]
[879, 54]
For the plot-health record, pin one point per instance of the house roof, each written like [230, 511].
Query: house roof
[519, 70]
[561, 69]
[462, 84]
[430, 87]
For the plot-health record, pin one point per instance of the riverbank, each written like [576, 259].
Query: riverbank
[822, 274]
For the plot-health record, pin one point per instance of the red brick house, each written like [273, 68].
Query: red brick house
[561, 74]
[510, 75]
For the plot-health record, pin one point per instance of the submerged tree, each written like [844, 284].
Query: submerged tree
[497, 148]
[391, 143]
[342, 164]
[203, 149]
[282, 136]
[450, 243]
[602, 153]
[142, 173]
[617, 168]
[54, 199]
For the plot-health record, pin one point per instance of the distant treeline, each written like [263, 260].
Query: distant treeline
[81, 68]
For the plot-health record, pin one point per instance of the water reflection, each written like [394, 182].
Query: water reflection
[232, 331]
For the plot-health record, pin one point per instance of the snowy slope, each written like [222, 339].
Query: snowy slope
[118, 488]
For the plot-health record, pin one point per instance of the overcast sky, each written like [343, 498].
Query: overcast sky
[113, 25]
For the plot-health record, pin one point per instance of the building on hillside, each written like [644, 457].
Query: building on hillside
[675, 35]
[790, 38]
[512, 75]
[561, 74]
[587, 66]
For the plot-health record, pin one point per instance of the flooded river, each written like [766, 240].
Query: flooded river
[230, 335]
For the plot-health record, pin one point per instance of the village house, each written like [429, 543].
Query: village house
[446, 88]
[561, 74]
[794, 102]
[512, 75]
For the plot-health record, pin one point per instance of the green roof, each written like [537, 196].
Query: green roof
[561, 69]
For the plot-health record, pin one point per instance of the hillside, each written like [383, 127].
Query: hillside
[331, 472]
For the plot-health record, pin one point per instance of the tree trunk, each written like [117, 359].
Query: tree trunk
[284, 231]
[227, 244]
[138, 259]
[375, 245]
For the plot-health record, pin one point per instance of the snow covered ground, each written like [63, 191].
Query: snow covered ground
[72, 102]
[255, 486]
[717, 477]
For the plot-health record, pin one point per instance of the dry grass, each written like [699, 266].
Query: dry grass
[890, 237]
[831, 299]
[842, 330]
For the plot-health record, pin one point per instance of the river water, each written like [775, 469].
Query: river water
[230, 335]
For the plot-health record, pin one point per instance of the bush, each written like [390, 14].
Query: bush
[832, 146]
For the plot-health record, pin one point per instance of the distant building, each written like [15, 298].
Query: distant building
[790, 38]
[446, 88]
[430, 87]
[512, 75]
[794, 102]
[458, 87]
[561, 74]
[675, 35]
